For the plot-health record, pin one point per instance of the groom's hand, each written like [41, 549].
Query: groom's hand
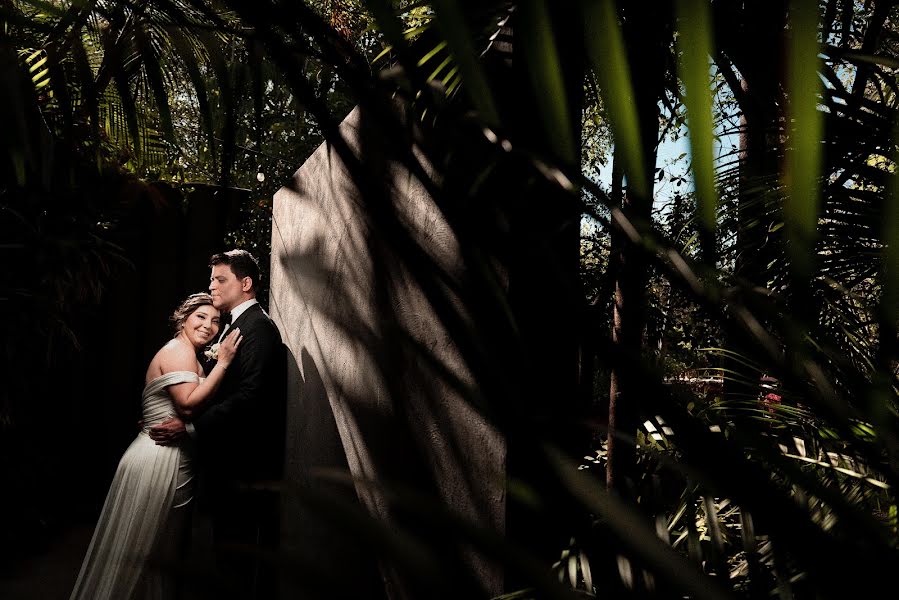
[168, 432]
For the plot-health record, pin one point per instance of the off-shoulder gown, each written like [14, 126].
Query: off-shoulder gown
[145, 513]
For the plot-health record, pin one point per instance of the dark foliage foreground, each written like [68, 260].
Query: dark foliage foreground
[731, 494]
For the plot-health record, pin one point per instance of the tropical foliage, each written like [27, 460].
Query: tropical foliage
[738, 345]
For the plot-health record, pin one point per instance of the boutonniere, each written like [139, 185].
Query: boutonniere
[212, 352]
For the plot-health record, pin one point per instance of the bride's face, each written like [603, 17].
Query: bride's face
[202, 326]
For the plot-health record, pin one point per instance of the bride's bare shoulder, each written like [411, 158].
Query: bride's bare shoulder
[177, 356]
[173, 356]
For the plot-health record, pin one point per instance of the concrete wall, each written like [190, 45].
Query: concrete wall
[379, 390]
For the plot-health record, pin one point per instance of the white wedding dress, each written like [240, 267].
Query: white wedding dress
[145, 513]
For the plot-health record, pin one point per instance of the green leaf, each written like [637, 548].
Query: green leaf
[424, 59]
[803, 160]
[605, 48]
[32, 67]
[695, 45]
[440, 67]
[382, 53]
[455, 30]
[547, 86]
[129, 109]
[151, 61]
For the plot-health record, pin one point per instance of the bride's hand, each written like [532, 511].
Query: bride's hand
[228, 347]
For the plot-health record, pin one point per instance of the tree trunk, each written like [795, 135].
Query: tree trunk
[760, 96]
[647, 34]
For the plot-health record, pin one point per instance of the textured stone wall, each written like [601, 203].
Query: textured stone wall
[379, 390]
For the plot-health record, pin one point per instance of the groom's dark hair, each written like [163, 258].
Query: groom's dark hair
[242, 263]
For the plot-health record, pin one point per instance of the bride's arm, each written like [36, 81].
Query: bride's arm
[189, 395]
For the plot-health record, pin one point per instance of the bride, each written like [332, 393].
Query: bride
[145, 516]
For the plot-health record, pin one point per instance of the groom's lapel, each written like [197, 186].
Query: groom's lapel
[242, 319]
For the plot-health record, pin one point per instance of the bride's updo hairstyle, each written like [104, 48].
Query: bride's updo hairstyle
[192, 303]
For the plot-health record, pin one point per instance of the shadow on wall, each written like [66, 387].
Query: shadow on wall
[315, 506]
[408, 358]
[372, 405]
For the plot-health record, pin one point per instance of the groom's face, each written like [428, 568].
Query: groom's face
[225, 288]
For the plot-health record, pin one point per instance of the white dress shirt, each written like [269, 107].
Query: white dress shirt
[235, 314]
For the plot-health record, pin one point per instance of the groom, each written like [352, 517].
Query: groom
[239, 435]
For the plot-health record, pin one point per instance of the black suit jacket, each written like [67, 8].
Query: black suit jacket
[240, 432]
